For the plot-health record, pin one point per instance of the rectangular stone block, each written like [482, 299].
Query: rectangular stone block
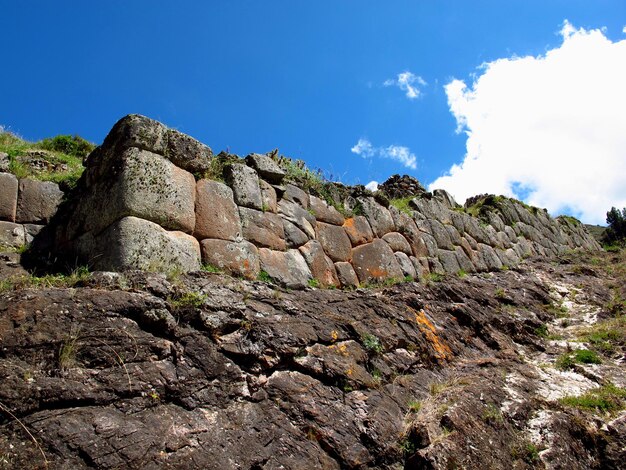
[37, 201]
[12, 235]
[8, 196]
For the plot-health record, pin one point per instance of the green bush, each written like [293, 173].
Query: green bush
[75, 145]
[615, 233]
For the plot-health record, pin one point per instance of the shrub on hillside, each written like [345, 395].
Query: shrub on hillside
[75, 145]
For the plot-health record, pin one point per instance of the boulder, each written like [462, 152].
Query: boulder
[12, 235]
[421, 266]
[324, 212]
[31, 231]
[266, 168]
[8, 196]
[287, 268]
[295, 194]
[346, 275]
[216, 212]
[358, 230]
[268, 196]
[264, 229]
[449, 261]
[378, 216]
[321, 266]
[445, 198]
[465, 263]
[438, 232]
[397, 242]
[489, 257]
[455, 237]
[405, 264]
[147, 134]
[133, 243]
[293, 235]
[37, 201]
[240, 258]
[294, 213]
[375, 261]
[245, 184]
[334, 240]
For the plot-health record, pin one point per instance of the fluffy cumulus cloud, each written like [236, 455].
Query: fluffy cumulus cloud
[548, 129]
[407, 82]
[365, 149]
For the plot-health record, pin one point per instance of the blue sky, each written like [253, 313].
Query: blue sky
[311, 78]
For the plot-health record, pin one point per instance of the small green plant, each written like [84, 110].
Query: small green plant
[414, 406]
[500, 294]
[69, 349]
[492, 414]
[189, 300]
[209, 268]
[607, 398]
[313, 283]
[526, 451]
[264, 277]
[542, 331]
[371, 343]
[461, 274]
[402, 204]
[434, 277]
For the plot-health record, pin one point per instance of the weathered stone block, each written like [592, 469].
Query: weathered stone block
[489, 257]
[287, 268]
[295, 194]
[133, 243]
[31, 231]
[397, 242]
[266, 168]
[378, 216]
[8, 196]
[245, 184]
[334, 240]
[405, 264]
[325, 213]
[37, 201]
[346, 275]
[264, 229]
[268, 196]
[375, 261]
[455, 237]
[240, 258]
[139, 131]
[321, 266]
[293, 235]
[12, 234]
[421, 266]
[465, 263]
[449, 261]
[358, 230]
[294, 213]
[217, 215]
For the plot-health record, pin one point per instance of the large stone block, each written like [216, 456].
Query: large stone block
[287, 268]
[240, 258]
[449, 261]
[335, 242]
[405, 265]
[37, 201]
[375, 261]
[358, 230]
[268, 196]
[133, 243]
[144, 133]
[264, 229]
[245, 184]
[397, 242]
[12, 235]
[266, 168]
[325, 213]
[295, 194]
[346, 275]
[321, 266]
[302, 218]
[293, 235]
[8, 196]
[378, 216]
[489, 257]
[217, 215]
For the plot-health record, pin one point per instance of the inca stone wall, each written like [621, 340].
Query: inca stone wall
[26, 205]
[143, 203]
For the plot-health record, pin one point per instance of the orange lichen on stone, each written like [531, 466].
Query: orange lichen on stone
[442, 350]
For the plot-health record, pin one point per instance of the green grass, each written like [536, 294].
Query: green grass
[209, 268]
[77, 276]
[414, 406]
[63, 150]
[526, 451]
[542, 331]
[264, 277]
[313, 283]
[403, 204]
[189, 300]
[607, 398]
[580, 356]
[371, 343]
[606, 335]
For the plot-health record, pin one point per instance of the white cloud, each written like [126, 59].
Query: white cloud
[365, 149]
[547, 129]
[372, 186]
[407, 82]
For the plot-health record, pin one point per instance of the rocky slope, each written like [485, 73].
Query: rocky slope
[203, 370]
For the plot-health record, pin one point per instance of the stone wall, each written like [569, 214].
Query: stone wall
[143, 203]
[26, 205]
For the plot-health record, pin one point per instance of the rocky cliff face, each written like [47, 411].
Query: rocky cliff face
[208, 371]
[154, 199]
